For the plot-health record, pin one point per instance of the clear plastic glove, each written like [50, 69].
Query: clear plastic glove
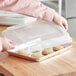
[59, 20]
[6, 44]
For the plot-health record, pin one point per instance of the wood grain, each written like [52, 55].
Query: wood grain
[67, 74]
[4, 72]
[61, 64]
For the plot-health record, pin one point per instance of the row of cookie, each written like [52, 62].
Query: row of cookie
[38, 54]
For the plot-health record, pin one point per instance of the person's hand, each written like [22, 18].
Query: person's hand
[6, 44]
[59, 20]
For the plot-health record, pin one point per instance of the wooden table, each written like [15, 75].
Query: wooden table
[61, 64]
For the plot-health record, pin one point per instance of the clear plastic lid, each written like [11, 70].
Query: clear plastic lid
[48, 34]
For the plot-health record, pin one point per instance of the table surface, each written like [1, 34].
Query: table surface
[64, 63]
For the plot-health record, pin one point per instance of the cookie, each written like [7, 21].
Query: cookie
[58, 48]
[36, 54]
[47, 51]
[24, 53]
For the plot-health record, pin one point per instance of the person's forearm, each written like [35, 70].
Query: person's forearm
[29, 8]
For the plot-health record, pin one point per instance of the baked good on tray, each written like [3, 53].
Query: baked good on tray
[36, 54]
[47, 51]
[56, 48]
[24, 52]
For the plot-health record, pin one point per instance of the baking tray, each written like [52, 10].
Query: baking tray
[44, 57]
[38, 35]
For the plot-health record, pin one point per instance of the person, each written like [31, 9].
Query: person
[31, 8]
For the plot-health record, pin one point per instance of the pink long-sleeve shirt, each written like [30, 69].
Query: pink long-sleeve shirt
[28, 7]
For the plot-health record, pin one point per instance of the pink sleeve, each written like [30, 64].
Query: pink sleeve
[28, 7]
